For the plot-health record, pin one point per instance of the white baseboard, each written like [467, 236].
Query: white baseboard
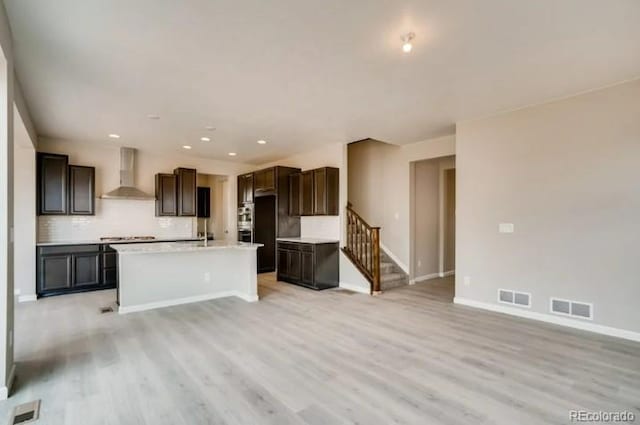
[186, 300]
[447, 274]
[423, 278]
[4, 391]
[548, 318]
[400, 264]
[27, 298]
[354, 288]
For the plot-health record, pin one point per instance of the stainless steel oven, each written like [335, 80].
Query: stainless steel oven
[245, 223]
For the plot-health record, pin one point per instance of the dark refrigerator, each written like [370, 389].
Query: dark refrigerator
[264, 226]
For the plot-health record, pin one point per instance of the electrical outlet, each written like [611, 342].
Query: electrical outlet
[505, 227]
[419, 263]
[207, 277]
[467, 281]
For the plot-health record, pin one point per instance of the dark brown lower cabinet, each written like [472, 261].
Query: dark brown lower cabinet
[314, 265]
[75, 268]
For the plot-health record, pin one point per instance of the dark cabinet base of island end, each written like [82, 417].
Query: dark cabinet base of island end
[75, 268]
[313, 265]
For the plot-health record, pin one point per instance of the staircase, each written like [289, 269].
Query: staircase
[363, 249]
[391, 275]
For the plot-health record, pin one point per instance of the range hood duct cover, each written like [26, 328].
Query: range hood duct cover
[127, 189]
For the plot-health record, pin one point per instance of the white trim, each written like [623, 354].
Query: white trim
[186, 300]
[27, 298]
[447, 274]
[354, 288]
[425, 277]
[400, 264]
[4, 391]
[556, 320]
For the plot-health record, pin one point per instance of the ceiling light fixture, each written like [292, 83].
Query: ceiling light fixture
[232, 154]
[114, 136]
[205, 139]
[406, 40]
[262, 142]
[186, 147]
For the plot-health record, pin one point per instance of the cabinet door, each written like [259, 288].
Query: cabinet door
[245, 189]
[81, 190]
[306, 193]
[283, 263]
[86, 269]
[294, 194]
[320, 191]
[333, 191]
[52, 184]
[265, 181]
[307, 268]
[186, 192]
[54, 272]
[294, 265]
[166, 195]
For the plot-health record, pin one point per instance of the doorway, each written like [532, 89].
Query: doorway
[433, 197]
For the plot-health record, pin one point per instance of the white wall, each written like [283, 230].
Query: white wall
[380, 187]
[24, 174]
[566, 174]
[7, 82]
[125, 217]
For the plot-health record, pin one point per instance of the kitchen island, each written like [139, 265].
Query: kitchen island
[154, 275]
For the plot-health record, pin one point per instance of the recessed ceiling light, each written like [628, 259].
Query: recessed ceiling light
[262, 142]
[114, 136]
[205, 139]
[186, 147]
[406, 40]
[232, 154]
[153, 117]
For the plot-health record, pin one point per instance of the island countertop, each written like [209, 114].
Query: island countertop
[193, 246]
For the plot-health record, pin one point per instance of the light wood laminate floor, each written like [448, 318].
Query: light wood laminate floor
[408, 356]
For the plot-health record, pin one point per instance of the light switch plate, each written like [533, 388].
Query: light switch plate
[505, 228]
[467, 280]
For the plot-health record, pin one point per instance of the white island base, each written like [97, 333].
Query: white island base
[158, 275]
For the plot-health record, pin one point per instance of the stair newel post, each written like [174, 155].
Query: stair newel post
[375, 255]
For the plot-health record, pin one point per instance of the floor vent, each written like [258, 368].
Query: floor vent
[507, 296]
[572, 308]
[25, 413]
[104, 310]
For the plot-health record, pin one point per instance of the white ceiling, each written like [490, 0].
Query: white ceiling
[300, 73]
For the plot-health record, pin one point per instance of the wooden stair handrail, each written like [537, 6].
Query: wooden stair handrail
[363, 247]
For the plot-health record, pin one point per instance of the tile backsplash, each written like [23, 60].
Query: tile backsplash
[114, 217]
[326, 227]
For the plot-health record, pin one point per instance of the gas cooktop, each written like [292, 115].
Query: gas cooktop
[127, 238]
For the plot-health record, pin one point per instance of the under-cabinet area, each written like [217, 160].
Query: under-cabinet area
[309, 262]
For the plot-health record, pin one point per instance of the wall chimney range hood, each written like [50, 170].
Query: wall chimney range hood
[127, 189]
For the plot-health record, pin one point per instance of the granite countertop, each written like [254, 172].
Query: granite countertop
[194, 246]
[308, 240]
[93, 242]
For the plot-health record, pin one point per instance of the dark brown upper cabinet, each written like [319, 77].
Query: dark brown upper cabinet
[245, 189]
[294, 194]
[166, 195]
[326, 191]
[82, 188]
[187, 191]
[306, 193]
[52, 184]
[265, 182]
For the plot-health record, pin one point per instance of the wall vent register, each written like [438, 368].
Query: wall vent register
[25, 413]
[507, 296]
[571, 308]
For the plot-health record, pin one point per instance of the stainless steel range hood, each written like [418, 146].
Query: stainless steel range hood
[127, 189]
